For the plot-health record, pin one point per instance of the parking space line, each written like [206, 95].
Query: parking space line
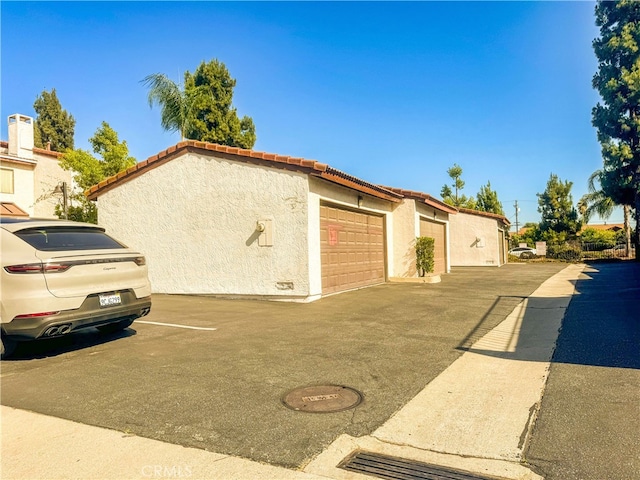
[174, 325]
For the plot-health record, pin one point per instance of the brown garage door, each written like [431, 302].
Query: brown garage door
[437, 231]
[351, 248]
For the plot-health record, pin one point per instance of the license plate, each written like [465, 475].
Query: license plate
[110, 300]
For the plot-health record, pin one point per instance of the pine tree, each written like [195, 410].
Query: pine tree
[202, 110]
[487, 200]
[54, 127]
[617, 118]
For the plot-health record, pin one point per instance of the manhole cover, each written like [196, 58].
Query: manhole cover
[322, 399]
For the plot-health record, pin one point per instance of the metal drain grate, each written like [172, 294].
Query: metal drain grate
[393, 468]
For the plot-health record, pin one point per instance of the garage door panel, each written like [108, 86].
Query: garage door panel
[352, 249]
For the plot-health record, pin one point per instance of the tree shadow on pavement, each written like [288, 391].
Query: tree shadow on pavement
[600, 326]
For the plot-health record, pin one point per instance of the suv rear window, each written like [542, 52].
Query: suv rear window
[67, 238]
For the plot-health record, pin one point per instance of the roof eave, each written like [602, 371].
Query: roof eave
[368, 189]
[424, 198]
[479, 213]
[310, 167]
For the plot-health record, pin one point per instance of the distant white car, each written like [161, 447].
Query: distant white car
[59, 276]
[523, 252]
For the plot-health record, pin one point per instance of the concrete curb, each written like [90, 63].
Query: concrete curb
[429, 278]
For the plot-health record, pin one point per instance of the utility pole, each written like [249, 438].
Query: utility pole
[517, 209]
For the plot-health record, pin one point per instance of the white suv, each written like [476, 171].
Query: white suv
[59, 276]
[523, 252]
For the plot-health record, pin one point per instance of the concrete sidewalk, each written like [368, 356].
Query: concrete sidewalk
[476, 416]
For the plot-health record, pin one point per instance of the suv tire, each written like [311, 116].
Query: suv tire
[7, 346]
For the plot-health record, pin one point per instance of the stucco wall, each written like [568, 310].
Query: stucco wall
[406, 228]
[47, 175]
[465, 250]
[195, 220]
[404, 238]
[23, 186]
[33, 182]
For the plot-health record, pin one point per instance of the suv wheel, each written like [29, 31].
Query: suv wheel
[7, 346]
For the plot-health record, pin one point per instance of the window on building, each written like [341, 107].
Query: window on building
[6, 178]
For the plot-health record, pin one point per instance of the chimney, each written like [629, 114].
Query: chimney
[20, 136]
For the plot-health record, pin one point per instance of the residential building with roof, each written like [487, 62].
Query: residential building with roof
[28, 175]
[479, 238]
[614, 227]
[221, 220]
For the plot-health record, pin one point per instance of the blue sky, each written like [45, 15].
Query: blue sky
[394, 93]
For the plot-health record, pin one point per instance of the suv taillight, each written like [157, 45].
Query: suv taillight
[140, 261]
[38, 268]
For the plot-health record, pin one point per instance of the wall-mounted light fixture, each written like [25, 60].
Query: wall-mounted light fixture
[360, 200]
[265, 232]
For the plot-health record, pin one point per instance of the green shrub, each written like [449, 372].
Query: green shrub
[566, 252]
[606, 238]
[425, 262]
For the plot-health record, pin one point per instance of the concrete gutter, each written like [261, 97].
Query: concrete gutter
[476, 416]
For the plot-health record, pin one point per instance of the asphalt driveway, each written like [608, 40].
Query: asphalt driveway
[590, 414]
[218, 384]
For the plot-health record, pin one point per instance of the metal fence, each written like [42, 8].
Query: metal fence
[602, 250]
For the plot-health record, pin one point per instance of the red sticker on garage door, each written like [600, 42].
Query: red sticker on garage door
[333, 234]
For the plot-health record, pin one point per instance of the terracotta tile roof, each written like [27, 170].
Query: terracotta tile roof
[502, 218]
[611, 226]
[424, 197]
[41, 151]
[310, 167]
[44, 151]
[9, 209]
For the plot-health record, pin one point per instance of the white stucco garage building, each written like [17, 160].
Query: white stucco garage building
[220, 220]
[420, 215]
[478, 238]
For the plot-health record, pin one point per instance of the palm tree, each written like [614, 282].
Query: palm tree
[175, 102]
[596, 201]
